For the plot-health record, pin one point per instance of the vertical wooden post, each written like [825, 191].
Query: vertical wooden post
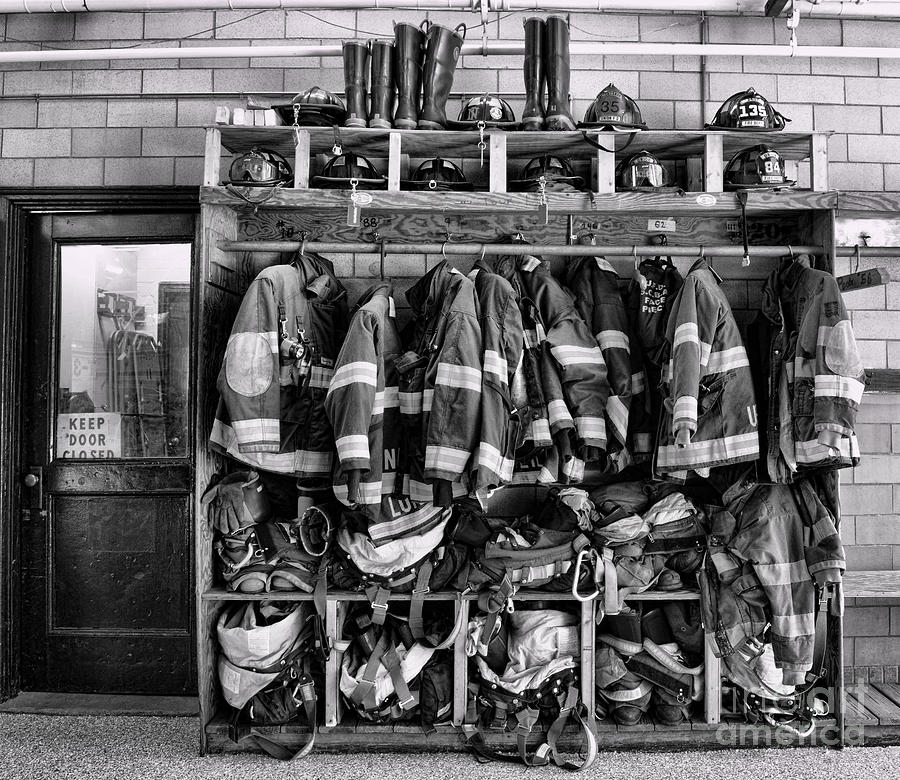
[712, 675]
[334, 619]
[818, 162]
[212, 157]
[587, 634]
[606, 163]
[301, 160]
[394, 162]
[498, 161]
[461, 666]
[713, 163]
[694, 167]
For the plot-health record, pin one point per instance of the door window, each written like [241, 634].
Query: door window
[123, 351]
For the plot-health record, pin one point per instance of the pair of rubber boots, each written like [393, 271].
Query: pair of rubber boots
[547, 62]
[356, 78]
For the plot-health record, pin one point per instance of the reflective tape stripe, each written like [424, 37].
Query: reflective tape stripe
[794, 626]
[814, 452]
[462, 377]
[352, 447]
[442, 458]
[305, 462]
[368, 493]
[686, 333]
[840, 387]
[420, 520]
[568, 355]
[494, 363]
[490, 458]
[558, 414]
[744, 446]
[591, 427]
[320, 377]
[604, 265]
[360, 372]
[392, 307]
[258, 431]
[529, 574]
[423, 492]
[617, 412]
[389, 398]
[410, 403]
[573, 468]
[705, 351]
[726, 359]
[427, 400]
[540, 431]
[685, 409]
[782, 573]
[613, 339]
[638, 383]
[529, 263]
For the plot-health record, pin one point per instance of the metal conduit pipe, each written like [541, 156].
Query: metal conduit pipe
[847, 9]
[576, 48]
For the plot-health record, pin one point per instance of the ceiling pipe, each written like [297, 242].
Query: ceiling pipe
[846, 9]
[576, 48]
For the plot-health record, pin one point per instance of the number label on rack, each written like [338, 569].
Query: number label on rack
[661, 225]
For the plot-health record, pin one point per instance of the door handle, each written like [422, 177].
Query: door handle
[34, 482]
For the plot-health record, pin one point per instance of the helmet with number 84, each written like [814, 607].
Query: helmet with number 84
[747, 110]
[756, 167]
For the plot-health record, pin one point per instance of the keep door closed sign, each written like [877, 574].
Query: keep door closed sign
[89, 435]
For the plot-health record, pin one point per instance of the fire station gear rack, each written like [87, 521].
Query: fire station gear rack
[701, 216]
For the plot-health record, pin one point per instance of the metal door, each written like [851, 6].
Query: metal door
[107, 596]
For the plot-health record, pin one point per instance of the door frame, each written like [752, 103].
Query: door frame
[16, 208]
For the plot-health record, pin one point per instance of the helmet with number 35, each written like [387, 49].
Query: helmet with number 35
[612, 109]
[747, 110]
[756, 167]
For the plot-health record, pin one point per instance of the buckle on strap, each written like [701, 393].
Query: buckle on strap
[407, 703]
[380, 606]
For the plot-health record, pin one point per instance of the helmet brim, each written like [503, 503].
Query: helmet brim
[311, 114]
[552, 184]
[340, 183]
[786, 184]
[423, 186]
[465, 124]
[711, 126]
[616, 128]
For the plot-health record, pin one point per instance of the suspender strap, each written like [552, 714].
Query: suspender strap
[366, 685]
[571, 707]
[417, 601]
[379, 598]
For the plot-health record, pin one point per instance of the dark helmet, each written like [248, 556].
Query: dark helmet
[756, 167]
[260, 168]
[557, 172]
[338, 172]
[641, 170]
[314, 107]
[747, 110]
[492, 110]
[437, 174]
[614, 110]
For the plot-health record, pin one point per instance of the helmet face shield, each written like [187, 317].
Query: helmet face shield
[260, 168]
[641, 170]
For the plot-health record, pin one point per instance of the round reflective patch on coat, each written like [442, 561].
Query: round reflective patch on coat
[248, 364]
[841, 354]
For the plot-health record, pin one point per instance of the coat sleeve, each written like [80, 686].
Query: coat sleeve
[249, 381]
[691, 331]
[827, 335]
[824, 552]
[350, 401]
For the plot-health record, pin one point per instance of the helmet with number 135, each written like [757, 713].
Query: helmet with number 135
[747, 110]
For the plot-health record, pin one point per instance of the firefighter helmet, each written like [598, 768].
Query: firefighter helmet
[612, 109]
[340, 170]
[492, 110]
[756, 167]
[747, 110]
[641, 171]
[557, 172]
[437, 174]
[314, 107]
[260, 168]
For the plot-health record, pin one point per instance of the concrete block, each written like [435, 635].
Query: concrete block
[896, 495]
[605, 27]
[40, 27]
[367, 266]
[895, 437]
[822, 32]
[890, 674]
[801, 116]
[186, 80]
[329, 24]
[106, 26]
[869, 298]
[172, 142]
[875, 499]
[892, 178]
[779, 65]
[870, 32]
[875, 651]
[867, 621]
[869, 557]
[475, 81]
[891, 288]
[73, 172]
[877, 469]
[590, 83]
[872, 91]
[893, 348]
[837, 148]
[269, 24]
[895, 621]
[879, 407]
[684, 28]
[195, 113]
[17, 173]
[877, 529]
[848, 652]
[723, 85]
[139, 172]
[658, 114]
[896, 563]
[816, 89]
[21, 113]
[734, 29]
[643, 63]
[115, 82]
[37, 82]
[328, 78]
[179, 24]
[686, 64]
[844, 66]
[55, 142]
[377, 23]
[848, 528]
[688, 115]
[74, 113]
[861, 119]
[189, 171]
[717, 64]
[248, 80]
[873, 353]
[221, 62]
[876, 324]
[116, 142]
[156, 112]
[856, 176]
[883, 148]
[666, 86]
[874, 438]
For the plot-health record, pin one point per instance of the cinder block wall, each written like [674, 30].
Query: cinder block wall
[138, 123]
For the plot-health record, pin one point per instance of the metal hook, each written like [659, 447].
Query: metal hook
[790, 251]
[303, 247]
[858, 256]
[381, 260]
[483, 252]
[444, 249]
[700, 254]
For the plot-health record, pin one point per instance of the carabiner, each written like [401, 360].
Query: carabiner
[582, 553]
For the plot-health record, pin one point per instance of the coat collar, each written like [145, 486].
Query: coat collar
[434, 289]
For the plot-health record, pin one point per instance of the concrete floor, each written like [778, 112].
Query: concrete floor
[39, 747]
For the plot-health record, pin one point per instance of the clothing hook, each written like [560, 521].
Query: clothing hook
[790, 251]
[444, 250]
[483, 252]
[858, 255]
[700, 254]
[381, 260]
[634, 254]
[303, 247]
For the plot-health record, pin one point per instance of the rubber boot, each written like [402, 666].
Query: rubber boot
[356, 64]
[533, 113]
[442, 49]
[409, 42]
[381, 103]
[556, 61]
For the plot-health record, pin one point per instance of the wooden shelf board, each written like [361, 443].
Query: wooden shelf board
[651, 203]
[374, 142]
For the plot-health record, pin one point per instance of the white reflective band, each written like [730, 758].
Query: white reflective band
[529, 263]
[259, 431]
[823, 335]
[392, 308]
[705, 350]
[540, 431]
[572, 356]
[794, 626]
[573, 468]
[305, 462]
[533, 338]
[353, 447]
[686, 333]
[368, 493]
[320, 377]
[685, 409]
[378, 406]
[781, 573]
[462, 377]
[617, 412]
[814, 452]
[389, 398]
[726, 359]
[839, 386]
[744, 446]
[427, 399]
[612, 339]
[494, 363]
[450, 459]
[604, 265]
[360, 372]
[423, 492]
[421, 519]
[638, 383]
[410, 403]
[492, 460]
[591, 428]
[558, 413]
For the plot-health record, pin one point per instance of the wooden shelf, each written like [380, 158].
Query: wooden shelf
[651, 203]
